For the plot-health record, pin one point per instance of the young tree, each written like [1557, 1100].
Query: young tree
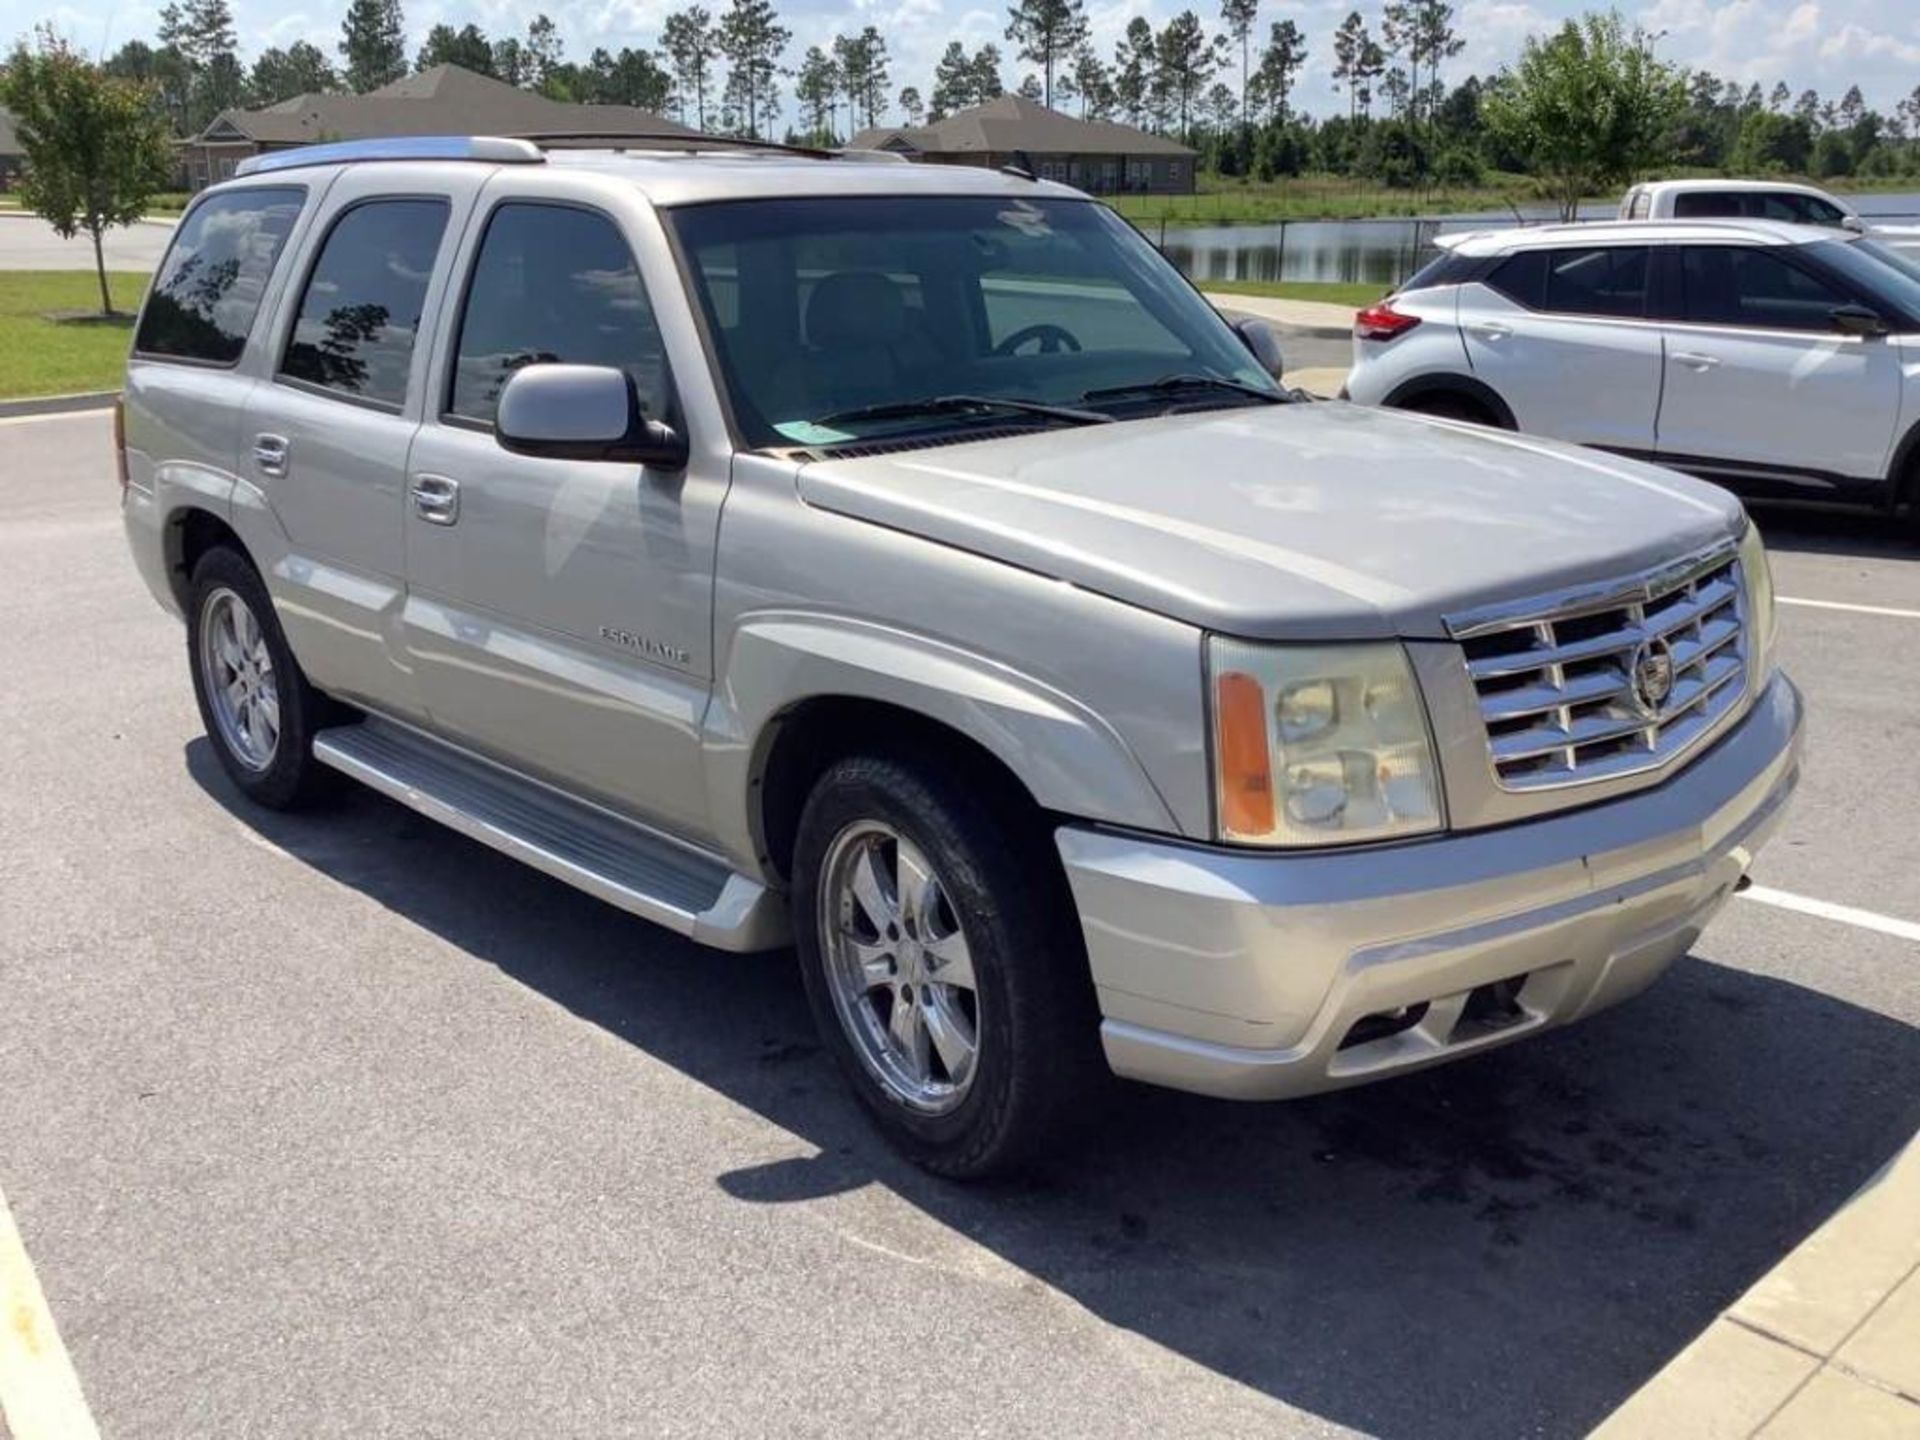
[914, 108]
[1239, 16]
[373, 44]
[816, 85]
[1589, 108]
[752, 39]
[688, 41]
[300, 69]
[96, 150]
[467, 47]
[1046, 32]
[1280, 62]
[1186, 61]
[862, 60]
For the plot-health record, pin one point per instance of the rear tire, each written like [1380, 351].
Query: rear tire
[259, 711]
[944, 964]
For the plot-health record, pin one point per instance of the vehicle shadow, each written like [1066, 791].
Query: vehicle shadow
[1820, 531]
[1507, 1246]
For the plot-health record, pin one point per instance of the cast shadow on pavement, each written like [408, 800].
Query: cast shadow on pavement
[1505, 1246]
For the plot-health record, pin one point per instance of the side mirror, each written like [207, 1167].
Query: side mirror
[1853, 223]
[583, 412]
[1857, 320]
[1257, 335]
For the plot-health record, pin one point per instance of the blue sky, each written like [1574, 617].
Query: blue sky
[1828, 44]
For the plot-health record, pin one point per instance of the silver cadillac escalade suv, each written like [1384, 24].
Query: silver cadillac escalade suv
[904, 563]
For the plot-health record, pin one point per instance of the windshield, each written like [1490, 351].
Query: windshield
[841, 318]
[1880, 270]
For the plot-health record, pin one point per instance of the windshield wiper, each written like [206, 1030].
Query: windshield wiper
[1173, 384]
[962, 404]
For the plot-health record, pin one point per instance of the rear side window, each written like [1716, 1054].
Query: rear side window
[1740, 285]
[1446, 268]
[209, 287]
[1707, 205]
[1593, 280]
[1642, 205]
[361, 310]
[553, 283]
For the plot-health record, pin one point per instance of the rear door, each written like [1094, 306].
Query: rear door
[326, 439]
[559, 612]
[1562, 336]
[1761, 390]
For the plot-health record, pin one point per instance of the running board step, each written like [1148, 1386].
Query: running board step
[622, 863]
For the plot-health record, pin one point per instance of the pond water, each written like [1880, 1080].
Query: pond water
[1372, 252]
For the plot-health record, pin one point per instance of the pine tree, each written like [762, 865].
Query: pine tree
[373, 44]
[752, 39]
[688, 42]
[1240, 15]
[300, 69]
[1046, 32]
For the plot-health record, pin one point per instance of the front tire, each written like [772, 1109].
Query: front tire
[943, 965]
[258, 709]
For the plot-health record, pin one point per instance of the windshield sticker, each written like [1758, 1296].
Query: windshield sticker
[805, 432]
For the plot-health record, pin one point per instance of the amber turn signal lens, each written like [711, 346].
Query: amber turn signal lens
[1246, 763]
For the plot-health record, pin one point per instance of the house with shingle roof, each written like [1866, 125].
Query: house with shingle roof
[1101, 156]
[445, 100]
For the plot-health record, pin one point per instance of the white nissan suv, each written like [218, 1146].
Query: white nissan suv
[1780, 360]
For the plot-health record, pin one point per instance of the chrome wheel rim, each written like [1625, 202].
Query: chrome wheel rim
[899, 968]
[238, 670]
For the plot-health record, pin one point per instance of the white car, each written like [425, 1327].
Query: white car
[1757, 200]
[1780, 360]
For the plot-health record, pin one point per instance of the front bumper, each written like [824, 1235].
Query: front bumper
[1263, 976]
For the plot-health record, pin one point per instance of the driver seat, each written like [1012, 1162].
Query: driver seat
[860, 343]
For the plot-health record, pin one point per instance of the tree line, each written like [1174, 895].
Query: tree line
[1228, 90]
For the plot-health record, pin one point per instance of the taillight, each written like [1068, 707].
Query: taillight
[1382, 322]
[120, 442]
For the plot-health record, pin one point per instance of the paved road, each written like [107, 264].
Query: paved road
[28, 243]
[343, 1126]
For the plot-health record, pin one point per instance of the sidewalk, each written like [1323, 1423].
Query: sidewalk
[1311, 317]
[1825, 1346]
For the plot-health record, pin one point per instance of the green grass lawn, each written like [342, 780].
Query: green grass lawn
[47, 347]
[1311, 197]
[1326, 292]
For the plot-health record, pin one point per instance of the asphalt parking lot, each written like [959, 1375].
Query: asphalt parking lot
[341, 1125]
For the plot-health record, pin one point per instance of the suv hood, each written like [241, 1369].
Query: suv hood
[1308, 521]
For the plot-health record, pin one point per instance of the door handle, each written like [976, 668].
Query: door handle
[1694, 360]
[270, 454]
[436, 499]
[1492, 330]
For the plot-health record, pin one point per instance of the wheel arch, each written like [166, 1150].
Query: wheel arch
[190, 531]
[1903, 475]
[802, 690]
[1452, 385]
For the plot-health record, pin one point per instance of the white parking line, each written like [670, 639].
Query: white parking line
[39, 1393]
[1843, 605]
[1827, 910]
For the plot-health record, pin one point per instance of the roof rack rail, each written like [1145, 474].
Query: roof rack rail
[692, 141]
[486, 149]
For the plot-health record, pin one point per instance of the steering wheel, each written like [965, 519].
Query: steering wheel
[1053, 339]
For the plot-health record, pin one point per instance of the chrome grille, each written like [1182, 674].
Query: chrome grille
[1612, 679]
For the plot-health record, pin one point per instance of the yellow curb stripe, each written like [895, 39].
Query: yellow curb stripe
[39, 1392]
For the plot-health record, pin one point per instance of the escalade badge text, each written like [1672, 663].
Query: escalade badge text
[652, 649]
[1652, 675]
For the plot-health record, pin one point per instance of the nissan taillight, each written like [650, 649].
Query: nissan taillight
[1382, 322]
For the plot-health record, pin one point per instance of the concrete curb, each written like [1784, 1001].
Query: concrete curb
[57, 404]
[1826, 1344]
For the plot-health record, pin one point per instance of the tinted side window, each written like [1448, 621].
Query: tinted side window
[361, 309]
[1741, 285]
[1815, 211]
[553, 284]
[216, 270]
[1706, 205]
[1642, 205]
[1603, 280]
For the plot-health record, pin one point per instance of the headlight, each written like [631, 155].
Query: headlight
[1319, 744]
[1758, 576]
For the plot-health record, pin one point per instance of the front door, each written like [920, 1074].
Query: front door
[1761, 389]
[1561, 336]
[559, 612]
